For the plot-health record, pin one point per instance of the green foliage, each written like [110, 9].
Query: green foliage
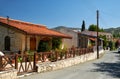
[105, 42]
[111, 45]
[56, 42]
[61, 52]
[44, 46]
[19, 59]
[83, 26]
[117, 35]
[101, 30]
[30, 52]
[94, 28]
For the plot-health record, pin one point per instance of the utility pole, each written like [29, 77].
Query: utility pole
[97, 35]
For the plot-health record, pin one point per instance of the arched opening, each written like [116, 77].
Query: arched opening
[7, 43]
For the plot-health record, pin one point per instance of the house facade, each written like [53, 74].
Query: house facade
[108, 36]
[69, 42]
[79, 39]
[93, 34]
[17, 35]
[86, 40]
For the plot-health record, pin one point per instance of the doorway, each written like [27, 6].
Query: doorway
[32, 43]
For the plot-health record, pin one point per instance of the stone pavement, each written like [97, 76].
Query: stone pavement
[107, 67]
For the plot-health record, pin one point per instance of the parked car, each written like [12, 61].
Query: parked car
[119, 50]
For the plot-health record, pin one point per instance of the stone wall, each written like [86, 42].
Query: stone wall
[49, 66]
[9, 74]
[17, 39]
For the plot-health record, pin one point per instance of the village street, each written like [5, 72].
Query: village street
[107, 67]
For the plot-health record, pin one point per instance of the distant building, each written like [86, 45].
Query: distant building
[69, 42]
[91, 39]
[82, 39]
[109, 36]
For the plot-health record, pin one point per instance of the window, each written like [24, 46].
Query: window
[7, 43]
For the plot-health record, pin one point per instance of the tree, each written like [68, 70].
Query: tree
[101, 30]
[83, 26]
[105, 42]
[93, 27]
[112, 45]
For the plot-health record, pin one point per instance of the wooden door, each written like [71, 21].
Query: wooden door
[32, 43]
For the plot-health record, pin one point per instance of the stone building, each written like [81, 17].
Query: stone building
[88, 40]
[68, 42]
[93, 34]
[108, 36]
[17, 35]
[79, 39]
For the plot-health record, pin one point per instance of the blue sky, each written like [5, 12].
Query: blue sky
[70, 13]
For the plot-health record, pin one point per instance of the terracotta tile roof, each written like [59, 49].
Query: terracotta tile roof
[33, 29]
[93, 39]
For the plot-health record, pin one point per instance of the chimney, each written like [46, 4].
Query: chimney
[8, 19]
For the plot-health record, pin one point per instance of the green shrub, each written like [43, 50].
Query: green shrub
[56, 42]
[44, 46]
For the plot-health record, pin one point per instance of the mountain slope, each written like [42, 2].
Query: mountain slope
[113, 30]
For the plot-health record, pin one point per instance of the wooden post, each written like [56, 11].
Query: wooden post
[66, 53]
[82, 51]
[79, 51]
[56, 55]
[43, 57]
[70, 53]
[1, 67]
[16, 61]
[73, 52]
[35, 60]
[26, 59]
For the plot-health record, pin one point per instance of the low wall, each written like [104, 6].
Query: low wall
[8, 74]
[49, 66]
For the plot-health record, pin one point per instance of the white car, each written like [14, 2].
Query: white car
[119, 50]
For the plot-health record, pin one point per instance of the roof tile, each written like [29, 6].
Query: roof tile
[30, 28]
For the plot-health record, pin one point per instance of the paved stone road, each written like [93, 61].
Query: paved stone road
[107, 67]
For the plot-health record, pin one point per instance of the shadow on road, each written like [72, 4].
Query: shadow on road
[116, 52]
[112, 69]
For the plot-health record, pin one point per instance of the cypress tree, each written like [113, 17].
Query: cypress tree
[83, 26]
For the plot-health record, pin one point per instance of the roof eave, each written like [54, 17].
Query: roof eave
[68, 37]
